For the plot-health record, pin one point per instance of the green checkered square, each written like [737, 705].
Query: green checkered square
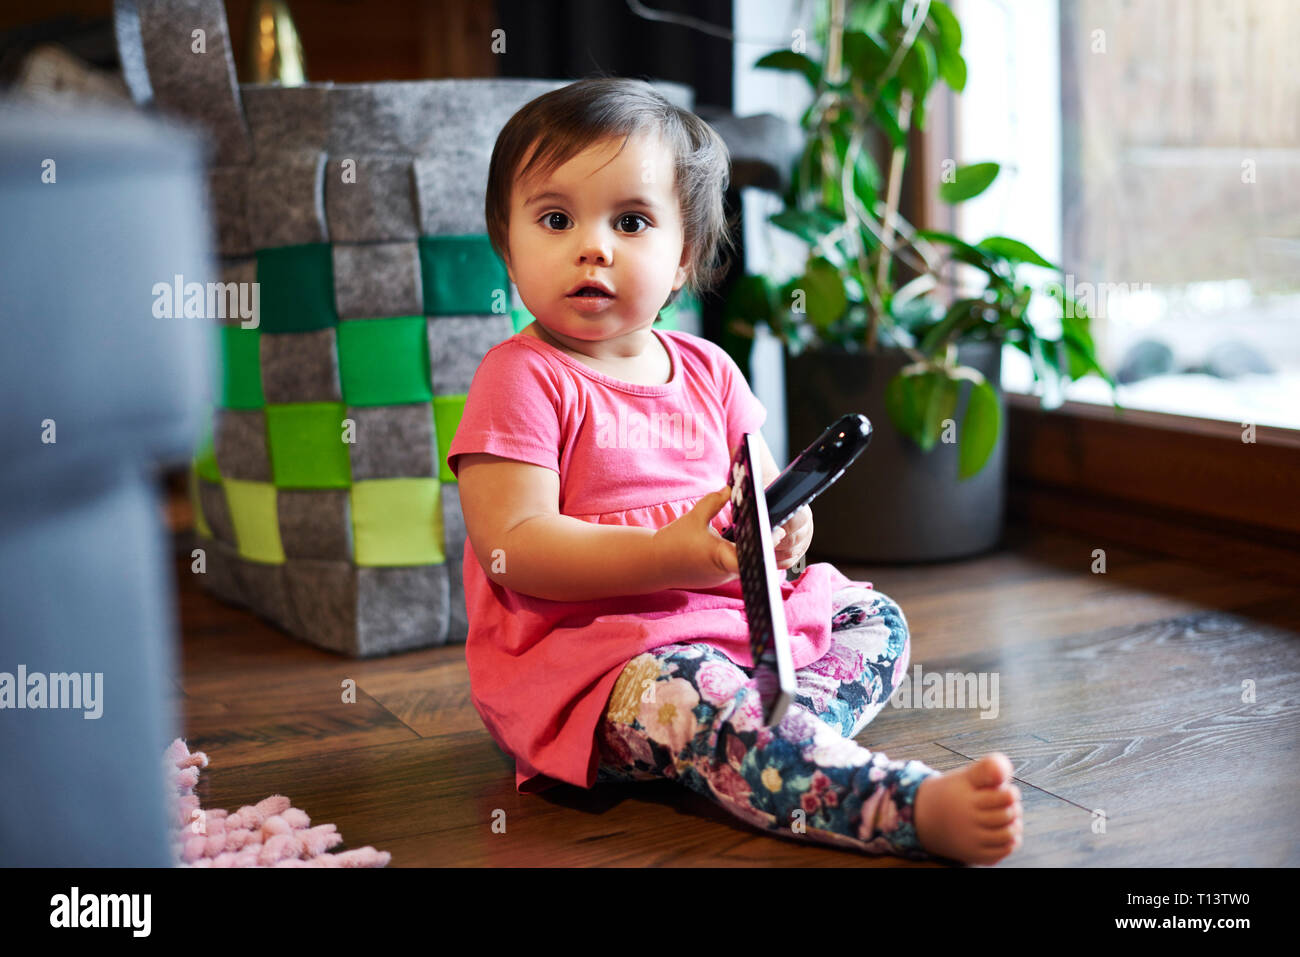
[462, 275]
[307, 443]
[257, 527]
[241, 368]
[297, 288]
[447, 410]
[397, 521]
[384, 361]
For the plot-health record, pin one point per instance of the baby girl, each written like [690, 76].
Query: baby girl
[607, 638]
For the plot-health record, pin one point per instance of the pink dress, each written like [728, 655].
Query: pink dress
[541, 671]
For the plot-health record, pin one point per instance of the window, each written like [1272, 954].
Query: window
[1153, 150]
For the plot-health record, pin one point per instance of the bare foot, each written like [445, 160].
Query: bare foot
[972, 815]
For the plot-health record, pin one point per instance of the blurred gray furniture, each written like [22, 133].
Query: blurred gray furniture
[97, 209]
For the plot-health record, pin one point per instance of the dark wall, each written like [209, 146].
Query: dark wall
[568, 39]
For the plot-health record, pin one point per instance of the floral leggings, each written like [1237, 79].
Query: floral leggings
[687, 712]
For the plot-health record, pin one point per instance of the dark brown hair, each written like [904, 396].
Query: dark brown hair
[567, 121]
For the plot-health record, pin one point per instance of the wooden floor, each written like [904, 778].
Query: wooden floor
[1121, 706]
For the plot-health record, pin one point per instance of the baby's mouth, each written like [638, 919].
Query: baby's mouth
[592, 292]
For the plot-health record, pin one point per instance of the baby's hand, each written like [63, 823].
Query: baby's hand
[793, 538]
[690, 553]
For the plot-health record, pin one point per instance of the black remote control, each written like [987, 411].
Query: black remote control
[817, 468]
[769, 639]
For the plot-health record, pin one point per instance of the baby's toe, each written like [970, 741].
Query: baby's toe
[991, 771]
[995, 798]
[999, 817]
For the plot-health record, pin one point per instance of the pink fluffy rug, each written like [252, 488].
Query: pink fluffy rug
[271, 833]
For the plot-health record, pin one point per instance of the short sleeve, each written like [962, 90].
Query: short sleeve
[744, 412]
[512, 410]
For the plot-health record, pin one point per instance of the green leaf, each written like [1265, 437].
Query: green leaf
[963, 314]
[1014, 250]
[919, 69]
[796, 62]
[965, 252]
[886, 115]
[1075, 332]
[952, 67]
[947, 25]
[832, 198]
[824, 296]
[979, 430]
[918, 403]
[1083, 359]
[865, 56]
[1077, 329]
[941, 404]
[866, 177]
[1046, 371]
[810, 225]
[868, 17]
[942, 25]
[1079, 364]
[902, 404]
[970, 182]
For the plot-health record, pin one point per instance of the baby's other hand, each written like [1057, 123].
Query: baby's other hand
[792, 539]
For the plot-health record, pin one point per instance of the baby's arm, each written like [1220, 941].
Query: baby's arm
[522, 541]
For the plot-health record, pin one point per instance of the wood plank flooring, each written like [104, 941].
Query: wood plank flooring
[1120, 704]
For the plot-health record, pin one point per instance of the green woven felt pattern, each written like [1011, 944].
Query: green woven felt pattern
[346, 395]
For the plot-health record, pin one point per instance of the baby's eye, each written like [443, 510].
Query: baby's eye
[633, 216]
[547, 219]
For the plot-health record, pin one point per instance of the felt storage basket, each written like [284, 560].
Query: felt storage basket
[322, 496]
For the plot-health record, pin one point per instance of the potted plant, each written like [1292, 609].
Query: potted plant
[865, 325]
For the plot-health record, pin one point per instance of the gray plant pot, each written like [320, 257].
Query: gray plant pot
[896, 503]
